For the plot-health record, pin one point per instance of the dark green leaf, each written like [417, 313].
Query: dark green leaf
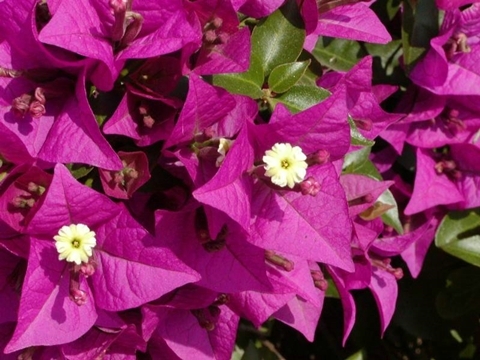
[284, 76]
[386, 63]
[300, 97]
[251, 352]
[458, 235]
[103, 104]
[279, 38]
[461, 294]
[419, 25]
[338, 54]
[332, 290]
[386, 10]
[468, 352]
[248, 83]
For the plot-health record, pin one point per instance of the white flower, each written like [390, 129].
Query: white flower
[223, 146]
[285, 164]
[75, 243]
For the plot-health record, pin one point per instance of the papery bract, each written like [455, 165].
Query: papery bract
[321, 127]
[202, 343]
[230, 189]
[122, 184]
[68, 120]
[68, 202]
[314, 228]
[355, 21]
[204, 106]
[450, 66]
[245, 262]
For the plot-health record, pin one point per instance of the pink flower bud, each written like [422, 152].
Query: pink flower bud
[319, 280]
[40, 95]
[37, 109]
[148, 121]
[135, 22]
[310, 186]
[21, 104]
[9, 73]
[363, 124]
[118, 178]
[119, 9]
[78, 296]
[216, 22]
[278, 260]
[222, 299]
[87, 269]
[207, 317]
[131, 173]
[365, 199]
[210, 36]
[319, 158]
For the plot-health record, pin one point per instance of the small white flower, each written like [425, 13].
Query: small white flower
[285, 164]
[75, 243]
[223, 146]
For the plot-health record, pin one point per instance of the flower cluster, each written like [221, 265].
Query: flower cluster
[168, 168]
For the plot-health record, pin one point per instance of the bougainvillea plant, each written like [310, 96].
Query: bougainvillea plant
[209, 179]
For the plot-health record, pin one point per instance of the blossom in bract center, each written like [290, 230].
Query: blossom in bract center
[75, 243]
[223, 147]
[285, 164]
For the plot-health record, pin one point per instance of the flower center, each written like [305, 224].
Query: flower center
[74, 243]
[285, 164]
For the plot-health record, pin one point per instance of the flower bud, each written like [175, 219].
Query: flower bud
[310, 186]
[21, 104]
[78, 296]
[278, 260]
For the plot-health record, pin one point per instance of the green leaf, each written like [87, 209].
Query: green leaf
[79, 171]
[354, 160]
[386, 63]
[458, 235]
[359, 355]
[248, 83]
[386, 10]
[356, 137]
[284, 76]
[461, 294]
[103, 104]
[300, 97]
[251, 352]
[332, 290]
[313, 72]
[238, 353]
[279, 38]
[419, 25]
[338, 54]
[391, 217]
[468, 352]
